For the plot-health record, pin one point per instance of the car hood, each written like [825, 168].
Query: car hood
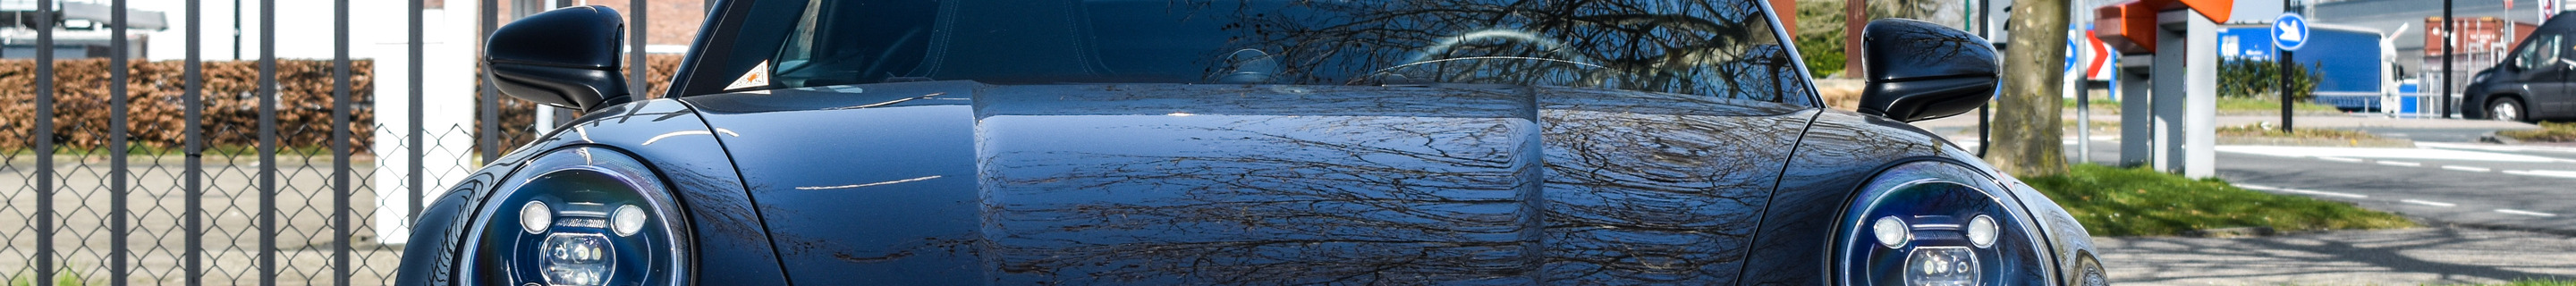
[934, 183]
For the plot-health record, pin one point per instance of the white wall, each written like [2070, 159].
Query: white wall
[304, 28]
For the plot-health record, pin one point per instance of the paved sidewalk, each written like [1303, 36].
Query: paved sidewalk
[2417, 256]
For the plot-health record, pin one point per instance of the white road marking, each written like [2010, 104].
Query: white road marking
[2386, 153]
[2467, 168]
[2524, 212]
[2299, 191]
[2401, 164]
[2493, 147]
[2340, 159]
[2544, 173]
[2429, 203]
[2326, 193]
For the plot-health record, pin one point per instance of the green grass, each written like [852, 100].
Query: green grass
[2240, 104]
[2541, 282]
[2548, 132]
[2302, 133]
[2225, 104]
[2533, 282]
[2113, 201]
[63, 278]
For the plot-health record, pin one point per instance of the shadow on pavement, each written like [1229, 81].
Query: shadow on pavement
[2376, 257]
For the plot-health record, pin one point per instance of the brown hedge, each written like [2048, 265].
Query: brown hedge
[231, 112]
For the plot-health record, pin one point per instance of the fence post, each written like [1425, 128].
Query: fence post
[412, 141]
[491, 103]
[636, 33]
[116, 73]
[44, 141]
[196, 150]
[268, 142]
[340, 142]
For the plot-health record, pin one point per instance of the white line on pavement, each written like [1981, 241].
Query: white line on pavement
[2311, 192]
[2430, 203]
[2326, 193]
[2544, 173]
[2401, 164]
[2492, 147]
[2340, 159]
[2467, 168]
[2386, 153]
[2524, 212]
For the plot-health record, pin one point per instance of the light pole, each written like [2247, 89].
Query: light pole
[2447, 73]
[2283, 75]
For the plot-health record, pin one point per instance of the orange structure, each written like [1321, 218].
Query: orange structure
[2129, 26]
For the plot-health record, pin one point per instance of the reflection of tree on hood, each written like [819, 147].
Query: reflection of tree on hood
[1718, 48]
[1592, 192]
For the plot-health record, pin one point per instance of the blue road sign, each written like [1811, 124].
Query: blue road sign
[2289, 32]
[2071, 54]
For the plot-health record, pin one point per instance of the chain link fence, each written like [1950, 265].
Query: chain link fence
[263, 172]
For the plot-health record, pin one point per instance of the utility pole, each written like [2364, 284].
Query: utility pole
[2447, 38]
[2284, 74]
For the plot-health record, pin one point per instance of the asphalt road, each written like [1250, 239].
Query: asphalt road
[2486, 185]
[2494, 212]
[2449, 178]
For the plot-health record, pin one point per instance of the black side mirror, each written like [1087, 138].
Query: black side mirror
[1922, 71]
[565, 58]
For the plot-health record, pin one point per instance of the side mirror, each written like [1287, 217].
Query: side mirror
[1922, 71]
[565, 58]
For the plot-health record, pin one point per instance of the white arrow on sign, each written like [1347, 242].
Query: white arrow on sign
[2289, 32]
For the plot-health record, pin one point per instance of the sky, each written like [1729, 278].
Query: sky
[304, 28]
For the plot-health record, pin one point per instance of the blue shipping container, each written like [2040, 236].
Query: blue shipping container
[2348, 59]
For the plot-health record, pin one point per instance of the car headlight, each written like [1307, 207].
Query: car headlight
[578, 216]
[1936, 223]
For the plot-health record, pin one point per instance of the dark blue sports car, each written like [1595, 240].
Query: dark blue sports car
[1227, 142]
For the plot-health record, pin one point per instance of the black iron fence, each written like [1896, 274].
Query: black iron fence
[279, 198]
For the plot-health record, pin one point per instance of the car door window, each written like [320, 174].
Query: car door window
[2543, 52]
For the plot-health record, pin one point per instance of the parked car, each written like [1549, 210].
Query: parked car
[2532, 83]
[1404, 142]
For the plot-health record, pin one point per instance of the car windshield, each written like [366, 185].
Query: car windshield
[1722, 48]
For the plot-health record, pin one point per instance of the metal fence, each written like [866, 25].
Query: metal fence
[275, 212]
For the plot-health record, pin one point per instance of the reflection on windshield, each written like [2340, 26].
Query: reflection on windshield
[1717, 48]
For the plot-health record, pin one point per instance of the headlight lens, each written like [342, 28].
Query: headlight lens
[1942, 266]
[1935, 223]
[1892, 232]
[575, 259]
[579, 216]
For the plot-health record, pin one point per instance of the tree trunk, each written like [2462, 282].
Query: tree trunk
[2026, 135]
[1855, 17]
